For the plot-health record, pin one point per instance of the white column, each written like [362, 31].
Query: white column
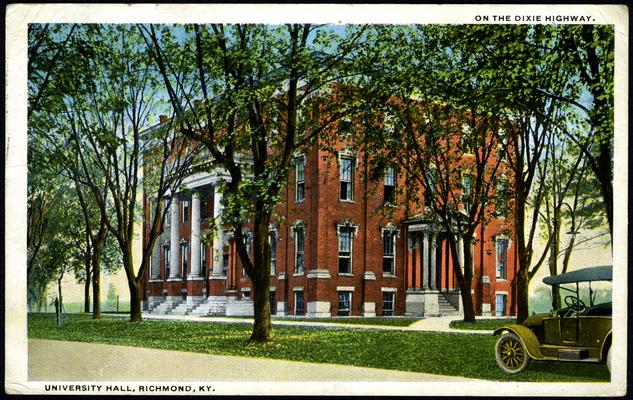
[425, 261]
[218, 242]
[195, 235]
[433, 260]
[174, 240]
[155, 266]
[460, 250]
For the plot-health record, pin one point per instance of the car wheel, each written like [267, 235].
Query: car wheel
[511, 355]
[609, 360]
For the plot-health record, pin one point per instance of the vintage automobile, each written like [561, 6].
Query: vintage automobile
[578, 332]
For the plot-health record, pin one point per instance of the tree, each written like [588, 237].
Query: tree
[104, 102]
[445, 143]
[588, 50]
[51, 152]
[249, 94]
[531, 79]
[112, 296]
[572, 204]
[59, 252]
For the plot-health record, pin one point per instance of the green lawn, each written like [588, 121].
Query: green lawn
[483, 324]
[439, 353]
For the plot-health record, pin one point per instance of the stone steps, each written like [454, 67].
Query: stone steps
[446, 308]
[186, 307]
[210, 307]
[165, 307]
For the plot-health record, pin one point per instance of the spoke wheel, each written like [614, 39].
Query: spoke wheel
[511, 355]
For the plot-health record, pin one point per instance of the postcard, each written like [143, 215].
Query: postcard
[318, 199]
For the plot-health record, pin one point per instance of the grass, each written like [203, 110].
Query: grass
[483, 324]
[438, 353]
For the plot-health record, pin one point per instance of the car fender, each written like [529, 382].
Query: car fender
[606, 343]
[527, 337]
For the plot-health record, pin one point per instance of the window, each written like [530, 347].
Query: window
[390, 185]
[501, 199]
[387, 303]
[345, 250]
[246, 294]
[347, 178]
[168, 216]
[466, 192]
[300, 179]
[184, 258]
[299, 250]
[203, 259]
[248, 241]
[167, 256]
[429, 195]
[185, 211]
[501, 245]
[500, 309]
[225, 260]
[272, 237]
[299, 309]
[467, 139]
[272, 299]
[344, 303]
[388, 252]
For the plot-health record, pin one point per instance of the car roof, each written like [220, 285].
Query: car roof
[602, 273]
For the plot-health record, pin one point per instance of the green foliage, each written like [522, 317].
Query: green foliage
[101, 97]
[483, 324]
[438, 353]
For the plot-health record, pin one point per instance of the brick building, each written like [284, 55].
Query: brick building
[340, 247]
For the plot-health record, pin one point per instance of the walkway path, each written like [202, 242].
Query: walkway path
[75, 361]
[435, 324]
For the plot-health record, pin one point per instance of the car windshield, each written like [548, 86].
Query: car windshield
[600, 291]
[593, 285]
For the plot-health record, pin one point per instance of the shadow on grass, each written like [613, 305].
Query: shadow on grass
[571, 371]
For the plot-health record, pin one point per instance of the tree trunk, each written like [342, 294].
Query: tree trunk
[136, 314]
[524, 254]
[568, 250]
[87, 282]
[261, 282]
[96, 283]
[59, 293]
[523, 298]
[464, 280]
[87, 292]
[605, 175]
[553, 258]
[466, 283]
[262, 324]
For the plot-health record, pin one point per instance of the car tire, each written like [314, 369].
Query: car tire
[609, 360]
[511, 354]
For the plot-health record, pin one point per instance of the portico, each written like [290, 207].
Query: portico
[430, 283]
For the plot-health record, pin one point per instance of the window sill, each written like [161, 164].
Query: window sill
[300, 201]
[347, 201]
[298, 274]
[502, 280]
[387, 275]
[345, 274]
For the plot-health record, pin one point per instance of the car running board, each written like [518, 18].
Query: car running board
[573, 354]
